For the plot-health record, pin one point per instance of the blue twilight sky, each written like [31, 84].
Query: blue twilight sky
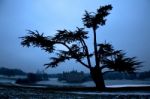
[127, 28]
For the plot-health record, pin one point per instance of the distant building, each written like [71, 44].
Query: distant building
[72, 77]
[42, 75]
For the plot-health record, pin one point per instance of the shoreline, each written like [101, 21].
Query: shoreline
[130, 88]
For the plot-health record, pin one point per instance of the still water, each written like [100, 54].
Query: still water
[54, 81]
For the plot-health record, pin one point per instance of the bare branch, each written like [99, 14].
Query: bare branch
[109, 71]
[87, 52]
[73, 53]
[84, 46]
[103, 67]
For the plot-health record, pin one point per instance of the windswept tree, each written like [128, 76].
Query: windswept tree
[106, 57]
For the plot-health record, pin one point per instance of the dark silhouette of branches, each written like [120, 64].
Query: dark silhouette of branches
[104, 53]
[122, 63]
[72, 40]
[92, 20]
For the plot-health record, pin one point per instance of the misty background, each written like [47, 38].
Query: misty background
[127, 28]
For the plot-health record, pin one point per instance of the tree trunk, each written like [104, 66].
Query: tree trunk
[97, 77]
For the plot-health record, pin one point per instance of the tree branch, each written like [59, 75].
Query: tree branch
[95, 47]
[103, 67]
[83, 64]
[73, 52]
[87, 52]
[107, 72]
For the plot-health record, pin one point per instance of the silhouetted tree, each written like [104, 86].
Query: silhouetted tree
[104, 54]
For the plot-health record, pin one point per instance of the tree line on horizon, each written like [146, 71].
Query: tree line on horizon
[108, 76]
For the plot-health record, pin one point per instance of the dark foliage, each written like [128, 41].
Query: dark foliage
[92, 20]
[72, 77]
[116, 59]
[11, 72]
[122, 63]
[144, 75]
[73, 41]
[32, 78]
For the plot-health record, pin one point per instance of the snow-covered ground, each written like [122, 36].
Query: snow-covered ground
[30, 92]
[38, 93]
[112, 93]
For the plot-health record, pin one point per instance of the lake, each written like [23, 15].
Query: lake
[54, 81]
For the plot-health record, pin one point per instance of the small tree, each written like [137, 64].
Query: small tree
[104, 53]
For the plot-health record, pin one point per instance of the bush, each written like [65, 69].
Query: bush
[32, 78]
